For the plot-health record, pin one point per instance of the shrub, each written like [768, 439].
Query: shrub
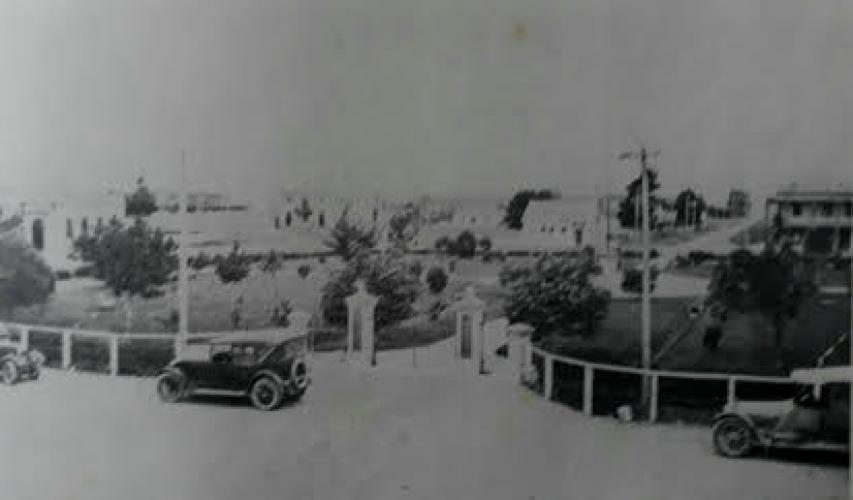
[485, 244]
[465, 245]
[62, 275]
[451, 266]
[29, 281]
[443, 244]
[632, 280]
[556, 295]
[436, 279]
[385, 276]
[281, 314]
[235, 267]
[303, 270]
[416, 267]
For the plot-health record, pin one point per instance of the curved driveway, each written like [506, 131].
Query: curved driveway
[390, 433]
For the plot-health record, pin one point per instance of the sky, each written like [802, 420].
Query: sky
[412, 96]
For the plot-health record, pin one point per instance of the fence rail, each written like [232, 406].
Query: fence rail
[589, 370]
[62, 346]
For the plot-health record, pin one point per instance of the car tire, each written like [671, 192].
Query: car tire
[35, 373]
[171, 387]
[266, 394]
[8, 372]
[733, 437]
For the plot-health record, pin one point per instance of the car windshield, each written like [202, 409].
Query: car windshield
[240, 354]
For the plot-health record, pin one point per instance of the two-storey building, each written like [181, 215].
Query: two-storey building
[818, 219]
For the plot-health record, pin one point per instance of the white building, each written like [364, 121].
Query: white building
[578, 221]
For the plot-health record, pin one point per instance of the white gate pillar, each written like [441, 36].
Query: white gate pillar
[360, 323]
[519, 349]
[469, 329]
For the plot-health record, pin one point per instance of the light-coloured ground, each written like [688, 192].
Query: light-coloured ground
[392, 432]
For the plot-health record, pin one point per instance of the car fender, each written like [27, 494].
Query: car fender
[749, 421]
[266, 372]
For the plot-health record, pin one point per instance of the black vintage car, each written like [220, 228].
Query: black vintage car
[268, 368]
[17, 364]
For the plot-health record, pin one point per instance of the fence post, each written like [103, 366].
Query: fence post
[66, 349]
[113, 354]
[732, 395]
[653, 402]
[548, 387]
[588, 374]
[24, 342]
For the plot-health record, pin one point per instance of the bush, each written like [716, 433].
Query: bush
[29, 280]
[235, 267]
[485, 244]
[465, 245]
[632, 280]
[385, 276]
[556, 295]
[303, 270]
[436, 279]
[416, 268]
[62, 275]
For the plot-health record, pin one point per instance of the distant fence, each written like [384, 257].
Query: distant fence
[598, 388]
[140, 354]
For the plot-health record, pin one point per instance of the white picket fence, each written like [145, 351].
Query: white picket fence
[654, 377]
[19, 335]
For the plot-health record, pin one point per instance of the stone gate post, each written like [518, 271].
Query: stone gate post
[469, 329]
[519, 349]
[360, 323]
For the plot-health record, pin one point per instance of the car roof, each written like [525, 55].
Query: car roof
[823, 375]
[259, 336]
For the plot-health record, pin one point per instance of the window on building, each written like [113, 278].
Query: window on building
[826, 209]
[848, 209]
[797, 209]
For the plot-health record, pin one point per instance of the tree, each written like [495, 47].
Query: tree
[386, 276]
[436, 279]
[271, 265]
[404, 225]
[627, 215]
[465, 245]
[141, 203]
[739, 204]
[349, 239]
[774, 283]
[517, 205]
[304, 210]
[132, 261]
[25, 279]
[556, 295]
[235, 267]
[688, 208]
[288, 219]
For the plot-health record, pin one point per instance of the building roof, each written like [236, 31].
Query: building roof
[798, 193]
[262, 336]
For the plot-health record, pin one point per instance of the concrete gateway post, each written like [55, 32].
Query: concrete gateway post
[469, 329]
[360, 323]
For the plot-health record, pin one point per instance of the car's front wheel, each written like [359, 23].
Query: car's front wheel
[266, 394]
[8, 372]
[171, 386]
[733, 437]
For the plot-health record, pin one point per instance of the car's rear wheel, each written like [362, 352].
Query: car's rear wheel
[733, 437]
[266, 394]
[8, 372]
[171, 387]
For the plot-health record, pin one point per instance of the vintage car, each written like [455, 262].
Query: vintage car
[17, 365]
[268, 368]
[817, 418]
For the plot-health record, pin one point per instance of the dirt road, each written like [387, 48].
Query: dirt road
[362, 434]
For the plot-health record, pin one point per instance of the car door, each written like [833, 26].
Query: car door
[234, 375]
[836, 420]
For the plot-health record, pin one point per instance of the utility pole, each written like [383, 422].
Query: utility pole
[646, 330]
[183, 278]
